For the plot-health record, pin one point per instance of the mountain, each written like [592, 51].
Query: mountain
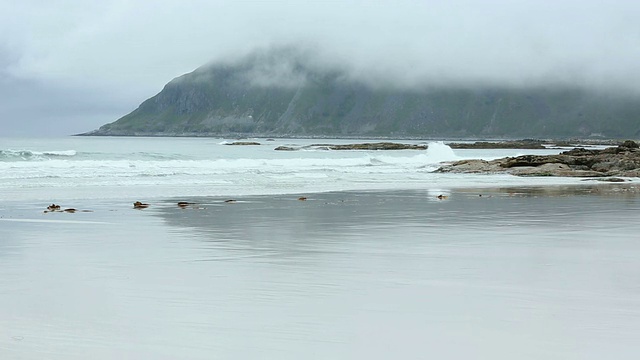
[286, 92]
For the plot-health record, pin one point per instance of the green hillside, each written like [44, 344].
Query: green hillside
[282, 94]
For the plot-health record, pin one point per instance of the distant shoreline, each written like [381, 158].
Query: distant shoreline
[585, 141]
[85, 206]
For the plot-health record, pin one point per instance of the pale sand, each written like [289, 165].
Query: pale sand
[524, 273]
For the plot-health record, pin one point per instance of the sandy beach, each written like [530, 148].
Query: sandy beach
[319, 180]
[524, 273]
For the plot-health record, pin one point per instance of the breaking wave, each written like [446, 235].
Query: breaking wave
[179, 167]
[17, 163]
[26, 155]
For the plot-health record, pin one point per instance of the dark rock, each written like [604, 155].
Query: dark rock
[139, 205]
[471, 166]
[528, 160]
[578, 162]
[518, 144]
[243, 143]
[371, 146]
[56, 208]
[285, 148]
[612, 179]
[564, 144]
[580, 152]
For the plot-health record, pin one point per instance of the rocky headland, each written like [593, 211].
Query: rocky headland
[288, 92]
[623, 160]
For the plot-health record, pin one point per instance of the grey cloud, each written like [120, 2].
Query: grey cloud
[31, 108]
[129, 50]
[270, 70]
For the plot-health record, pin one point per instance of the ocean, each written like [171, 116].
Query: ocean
[312, 254]
[143, 168]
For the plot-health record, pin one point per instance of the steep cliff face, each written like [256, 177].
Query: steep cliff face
[285, 94]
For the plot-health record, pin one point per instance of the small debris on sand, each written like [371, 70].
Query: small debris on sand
[56, 208]
[139, 205]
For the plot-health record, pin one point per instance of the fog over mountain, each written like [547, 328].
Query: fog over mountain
[290, 91]
[81, 64]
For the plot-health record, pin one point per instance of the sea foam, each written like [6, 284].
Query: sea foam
[27, 155]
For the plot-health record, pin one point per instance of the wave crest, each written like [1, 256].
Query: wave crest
[27, 155]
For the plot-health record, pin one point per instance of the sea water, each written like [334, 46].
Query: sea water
[141, 168]
[372, 264]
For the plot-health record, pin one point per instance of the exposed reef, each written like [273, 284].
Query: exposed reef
[515, 144]
[623, 160]
[244, 143]
[361, 146]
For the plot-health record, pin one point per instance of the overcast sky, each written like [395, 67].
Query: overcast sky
[69, 66]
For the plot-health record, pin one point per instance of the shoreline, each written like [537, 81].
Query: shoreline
[569, 185]
[288, 275]
[15, 210]
[585, 141]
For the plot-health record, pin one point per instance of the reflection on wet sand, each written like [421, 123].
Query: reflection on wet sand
[328, 215]
[515, 273]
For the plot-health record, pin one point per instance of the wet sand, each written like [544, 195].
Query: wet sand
[524, 273]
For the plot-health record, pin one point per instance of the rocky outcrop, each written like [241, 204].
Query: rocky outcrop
[623, 160]
[515, 144]
[243, 143]
[533, 144]
[372, 146]
[362, 146]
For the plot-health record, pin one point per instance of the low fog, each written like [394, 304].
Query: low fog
[78, 65]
